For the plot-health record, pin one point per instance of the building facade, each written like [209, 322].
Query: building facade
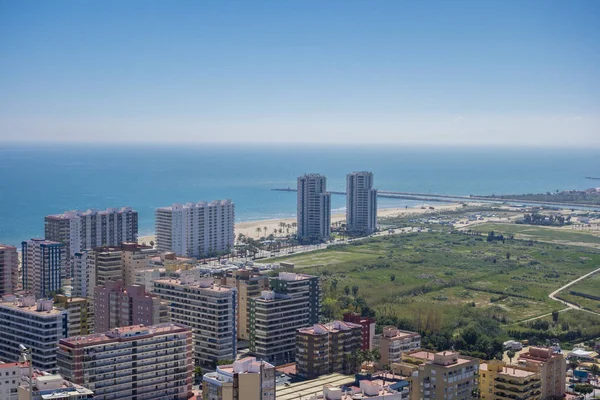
[52, 386]
[314, 208]
[361, 203]
[80, 230]
[117, 305]
[9, 269]
[10, 378]
[43, 266]
[34, 324]
[209, 309]
[293, 302]
[129, 363]
[196, 229]
[551, 366]
[109, 264]
[248, 285]
[246, 378]
[392, 342]
[445, 375]
[368, 328]
[497, 381]
[135, 257]
[83, 266]
[79, 318]
[327, 348]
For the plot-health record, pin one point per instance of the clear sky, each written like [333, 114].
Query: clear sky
[445, 72]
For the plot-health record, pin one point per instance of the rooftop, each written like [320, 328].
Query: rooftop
[510, 371]
[199, 204]
[331, 327]
[125, 333]
[446, 359]
[78, 213]
[30, 305]
[204, 284]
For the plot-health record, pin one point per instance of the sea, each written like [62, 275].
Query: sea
[38, 180]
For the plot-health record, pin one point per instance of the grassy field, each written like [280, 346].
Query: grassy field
[400, 274]
[558, 235]
[589, 285]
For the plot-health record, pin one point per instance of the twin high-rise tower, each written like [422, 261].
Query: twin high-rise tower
[314, 206]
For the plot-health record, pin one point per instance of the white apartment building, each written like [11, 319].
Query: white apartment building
[10, 378]
[361, 203]
[36, 325]
[196, 229]
[84, 273]
[314, 208]
[135, 257]
[43, 266]
[209, 309]
[131, 363]
[80, 230]
[246, 378]
[9, 269]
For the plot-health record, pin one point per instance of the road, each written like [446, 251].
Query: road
[571, 305]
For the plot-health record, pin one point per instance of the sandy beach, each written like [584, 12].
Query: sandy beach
[249, 228]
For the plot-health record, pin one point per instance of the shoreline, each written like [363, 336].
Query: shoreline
[250, 228]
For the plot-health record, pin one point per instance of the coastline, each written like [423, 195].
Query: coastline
[249, 228]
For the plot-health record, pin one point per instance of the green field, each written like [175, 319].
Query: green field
[558, 235]
[448, 270]
[590, 285]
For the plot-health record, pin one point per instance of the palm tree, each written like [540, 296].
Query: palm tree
[258, 230]
[510, 354]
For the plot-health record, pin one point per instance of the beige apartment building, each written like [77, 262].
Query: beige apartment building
[392, 342]
[245, 379]
[9, 269]
[551, 366]
[79, 317]
[135, 257]
[248, 285]
[498, 381]
[444, 375]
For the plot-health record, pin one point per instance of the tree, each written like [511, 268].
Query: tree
[555, 316]
[347, 290]
[573, 364]
[510, 354]
[584, 389]
[354, 290]
[507, 255]
[152, 243]
[595, 371]
[258, 230]
[197, 373]
[392, 277]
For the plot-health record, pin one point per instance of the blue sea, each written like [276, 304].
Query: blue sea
[39, 180]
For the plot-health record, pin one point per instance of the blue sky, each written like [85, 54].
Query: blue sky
[444, 72]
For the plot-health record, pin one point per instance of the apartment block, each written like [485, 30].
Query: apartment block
[83, 266]
[248, 285]
[370, 387]
[498, 381]
[80, 230]
[10, 378]
[43, 266]
[361, 203]
[48, 386]
[172, 262]
[209, 309]
[445, 375]
[293, 302]
[9, 269]
[326, 348]
[368, 328]
[551, 366]
[79, 318]
[392, 342]
[109, 264]
[117, 305]
[314, 208]
[196, 229]
[135, 257]
[131, 363]
[146, 277]
[246, 378]
[35, 324]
